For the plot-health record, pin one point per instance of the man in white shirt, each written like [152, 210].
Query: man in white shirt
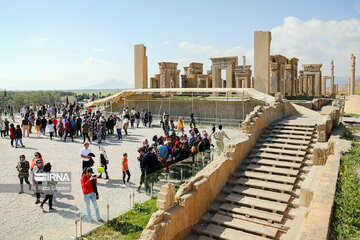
[85, 156]
[219, 139]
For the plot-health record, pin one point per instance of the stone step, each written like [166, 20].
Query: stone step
[294, 128]
[259, 193]
[277, 157]
[269, 177]
[288, 136]
[285, 140]
[282, 151]
[291, 132]
[217, 231]
[262, 184]
[296, 124]
[274, 163]
[240, 224]
[193, 236]
[282, 146]
[280, 170]
[246, 211]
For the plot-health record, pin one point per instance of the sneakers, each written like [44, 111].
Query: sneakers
[41, 206]
[52, 210]
[21, 192]
[101, 220]
[37, 201]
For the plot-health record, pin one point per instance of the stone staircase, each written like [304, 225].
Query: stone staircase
[261, 198]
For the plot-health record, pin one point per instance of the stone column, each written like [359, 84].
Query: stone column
[287, 80]
[261, 61]
[163, 77]
[301, 82]
[311, 85]
[323, 86]
[274, 78]
[140, 66]
[332, 90]
[229, 77]
[306, 84]
[352, 75]
[317, 84]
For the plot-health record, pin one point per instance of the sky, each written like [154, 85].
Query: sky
[73, 44]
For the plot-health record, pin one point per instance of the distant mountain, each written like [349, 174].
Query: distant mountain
[110, 84]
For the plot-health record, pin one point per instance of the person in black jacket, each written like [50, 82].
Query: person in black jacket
[18, 136]
[150, 163]
[43, 125]
[140, 159]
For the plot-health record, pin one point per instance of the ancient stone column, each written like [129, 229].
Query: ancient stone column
[274, 78]
[317, 84]
[352, 75]
[323, 85]
[287, 80]
[140, 66]
[306, 84]
[301, 82]
[261, 61]
[332, 90]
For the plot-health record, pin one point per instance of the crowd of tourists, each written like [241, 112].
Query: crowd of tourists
[65, 121]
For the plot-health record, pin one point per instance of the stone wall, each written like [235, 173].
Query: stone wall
[176, 218]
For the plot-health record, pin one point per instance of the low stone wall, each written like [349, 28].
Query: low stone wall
[329, 118]
[319, 194]
[175, 219]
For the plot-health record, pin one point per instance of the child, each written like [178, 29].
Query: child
[49, 189]
[125, 168]
[23, 168]
[18, 136]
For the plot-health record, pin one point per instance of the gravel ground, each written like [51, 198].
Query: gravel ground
[22, 219]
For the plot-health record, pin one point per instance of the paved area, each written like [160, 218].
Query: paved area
[352, 104]
[22, 219]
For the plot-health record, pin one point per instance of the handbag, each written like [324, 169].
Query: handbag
[101, 169]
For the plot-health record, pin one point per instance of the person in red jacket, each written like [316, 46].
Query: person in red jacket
[12, 134]
[88, 191]
[68, 130]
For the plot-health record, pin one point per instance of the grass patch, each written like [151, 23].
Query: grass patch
[346, 212]
[351, 115]
[127, 226]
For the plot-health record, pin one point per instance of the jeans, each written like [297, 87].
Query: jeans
[87, 198]
[43, 130]
[149, 123]
[103, 135]
[180, 131]
[16, 142]
[118, 130]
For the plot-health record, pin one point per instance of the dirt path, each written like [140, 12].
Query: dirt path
[352, 104]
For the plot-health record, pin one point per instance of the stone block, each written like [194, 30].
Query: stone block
[321, 153]
[310, 185]
[166, 196]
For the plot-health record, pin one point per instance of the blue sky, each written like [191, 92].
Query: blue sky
[70, 44]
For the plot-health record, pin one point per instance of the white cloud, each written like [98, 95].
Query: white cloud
[43, 39]
[92, 60]
[317, 41]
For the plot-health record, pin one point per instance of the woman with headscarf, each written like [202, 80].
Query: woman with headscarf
[103, 160]
[180, 126]
[37, 156]
[38, 168]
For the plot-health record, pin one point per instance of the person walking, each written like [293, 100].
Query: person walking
[85, 130]
[23, 167]
[103, 161]
[137, 119]
[192, 120]
[125, 168]
[12, 134]
[38, 168]
[43, 125]
[25, 124]
[38, 126]
[49, 189]
[180, 126]
[89, 195]
[219, 140]
[119, 125]
[51, 128]
[18, 136]
[68, 130]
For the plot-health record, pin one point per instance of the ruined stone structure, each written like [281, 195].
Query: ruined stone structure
[311, 78]
[243, 75]
[352, 76]
[227, 63]
[140, 66]
[168, 77]
[190, 78]
[283, 75]
[261, 61]
[331, 77]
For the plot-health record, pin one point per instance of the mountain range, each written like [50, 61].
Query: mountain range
[110, 84]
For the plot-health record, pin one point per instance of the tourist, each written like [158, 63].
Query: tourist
[103, 161]
[180, 126]
[142, 116]
[125, 126]
[150, 119]
[23, 169]
[68, 130]
[2, 128]
[25, 124]
[86, 155]
[192, 120]
[85, 130]
[60, 128]
[51, 128]
[125, 168]
[55, 122]
[49, 188]
[38, 126]
[163, 152]
[119, 125]
[6, 122]
[43, 125]
[38, 168]
[140, 159]
[219, 139]
[31, 121]
[89, 195]
[18, 136]
[12, 134]
[150, 166]
[37, 156]
[137, 119]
